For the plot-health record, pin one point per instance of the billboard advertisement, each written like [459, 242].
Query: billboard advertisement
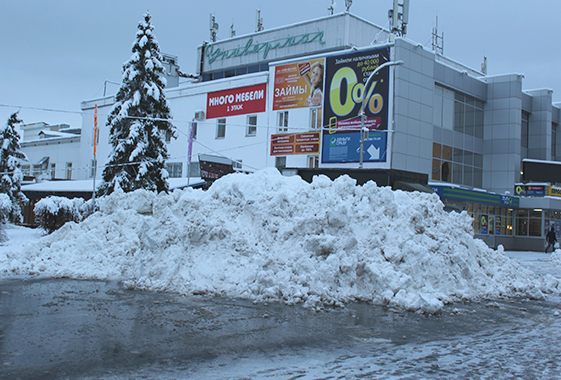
[344, 146]
[283, 144]
[346, 76]
[299, 85]
[236, 101]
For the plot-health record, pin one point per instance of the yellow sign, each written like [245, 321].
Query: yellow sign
[554, 191]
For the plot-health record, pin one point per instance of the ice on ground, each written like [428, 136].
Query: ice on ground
[272, 238]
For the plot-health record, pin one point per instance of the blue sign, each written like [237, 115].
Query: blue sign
[345, 147]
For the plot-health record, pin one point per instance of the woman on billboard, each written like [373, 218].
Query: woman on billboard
[314, 80]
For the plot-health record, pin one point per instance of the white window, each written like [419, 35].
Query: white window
[36, 170]
[221, 128]
[26, 169]
[315, 118]
[53, 171]
[283, 121]
[69, 170]
[313, 161]
[237, 164]
[175, 169]
[251, 126]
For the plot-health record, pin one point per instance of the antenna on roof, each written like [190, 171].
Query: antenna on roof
[399, 18]
[437, 41]
[484, 65]
[331, 8]
[232, 31]
[213, 28]
[348, 4]
[258, 21]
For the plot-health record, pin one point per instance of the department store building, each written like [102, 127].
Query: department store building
[291, 97]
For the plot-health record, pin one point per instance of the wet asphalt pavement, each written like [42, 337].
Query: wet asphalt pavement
[72, 329]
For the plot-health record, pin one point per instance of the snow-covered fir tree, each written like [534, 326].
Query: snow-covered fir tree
[139, 121]
[11, 175]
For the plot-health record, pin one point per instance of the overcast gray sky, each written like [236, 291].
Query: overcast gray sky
[56, 53]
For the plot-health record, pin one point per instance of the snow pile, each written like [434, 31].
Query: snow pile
[556, 257]
[272, 238]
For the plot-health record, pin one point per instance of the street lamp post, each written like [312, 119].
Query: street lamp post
[364, 130]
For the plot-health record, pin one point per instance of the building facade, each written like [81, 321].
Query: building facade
[299, 97]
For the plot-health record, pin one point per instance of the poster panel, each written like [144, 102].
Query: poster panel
[299, 85]
[236, 101]
[344, 147]
[283, 144]
[346, 76]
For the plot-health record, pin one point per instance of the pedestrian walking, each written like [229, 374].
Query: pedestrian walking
[550, 238]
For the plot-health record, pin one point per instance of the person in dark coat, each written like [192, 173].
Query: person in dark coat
[550, 238]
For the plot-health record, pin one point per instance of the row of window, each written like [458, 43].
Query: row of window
[235, 72]
[456, 165]
[491, 220]
[458, 112]
[38, 169]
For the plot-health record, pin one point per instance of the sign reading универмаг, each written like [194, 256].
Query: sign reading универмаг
[345, 80]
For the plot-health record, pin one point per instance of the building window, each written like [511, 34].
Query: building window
[36, 170]
[313, 161]
[251, 126]
[315, 118]
[456, 166]
[53, 171]
[528, 222]
[175, 169]
[237, 164]
[280, 162]
[26, 169]
[221, 128]
[283, 121]
[455, 111]
[69, 170]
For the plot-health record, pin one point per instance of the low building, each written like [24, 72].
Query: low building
[292, 98]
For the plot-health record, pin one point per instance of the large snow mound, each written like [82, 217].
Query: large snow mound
[272, 238]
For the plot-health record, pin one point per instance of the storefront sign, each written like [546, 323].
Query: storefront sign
[482, 197]
[554, 191]
[345, 81]
[237, 101]
[529, 190]
[295, 143]
[299, 85]
[213, 168]
[213, 53]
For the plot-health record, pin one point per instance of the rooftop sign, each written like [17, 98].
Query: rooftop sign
[213, 53]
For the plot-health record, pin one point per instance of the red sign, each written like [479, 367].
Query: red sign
[236, 101]
[295, 143]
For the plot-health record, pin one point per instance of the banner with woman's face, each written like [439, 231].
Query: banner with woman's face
[299, 84]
